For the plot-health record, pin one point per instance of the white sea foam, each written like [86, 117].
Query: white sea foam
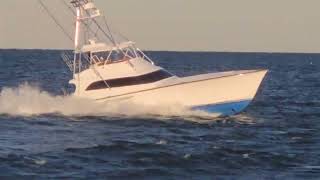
[27, 100]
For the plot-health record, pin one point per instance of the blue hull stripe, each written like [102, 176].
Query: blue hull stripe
[224, 109]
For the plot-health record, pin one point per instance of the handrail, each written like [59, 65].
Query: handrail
[145, 56]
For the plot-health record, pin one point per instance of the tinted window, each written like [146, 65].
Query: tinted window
[114, 56]
[129, 81]
[101, 55]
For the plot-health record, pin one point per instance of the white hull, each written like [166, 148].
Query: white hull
[209, 92]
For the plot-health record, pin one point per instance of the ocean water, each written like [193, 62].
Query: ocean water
[45, 135]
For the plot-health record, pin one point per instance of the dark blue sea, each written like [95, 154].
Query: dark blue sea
[45, 135]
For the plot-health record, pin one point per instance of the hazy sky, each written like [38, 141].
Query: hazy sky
[207, 25]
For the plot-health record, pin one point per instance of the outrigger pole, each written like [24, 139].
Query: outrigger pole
[55, 20]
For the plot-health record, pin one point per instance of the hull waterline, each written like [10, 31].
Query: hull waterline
[224, 109]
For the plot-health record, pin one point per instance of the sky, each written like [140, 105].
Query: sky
[175, 25]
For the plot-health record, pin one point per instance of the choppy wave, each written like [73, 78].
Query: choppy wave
[281, 140]
[27, 100]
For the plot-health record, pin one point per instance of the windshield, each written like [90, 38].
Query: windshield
[113, 56]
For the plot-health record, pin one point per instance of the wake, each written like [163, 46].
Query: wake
[27, 100]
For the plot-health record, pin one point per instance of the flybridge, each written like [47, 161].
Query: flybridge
[91, 26]
[96, 46]
[94, 42]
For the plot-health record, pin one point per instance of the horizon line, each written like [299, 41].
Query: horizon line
[177, 51]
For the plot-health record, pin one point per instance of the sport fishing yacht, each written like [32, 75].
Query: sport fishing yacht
[107, 69]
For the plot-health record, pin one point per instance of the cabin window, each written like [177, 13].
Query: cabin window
[129, 52]
[130, 81]
[116, 56]
[101, 55]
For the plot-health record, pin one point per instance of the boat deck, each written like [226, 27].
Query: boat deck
[200, 77]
